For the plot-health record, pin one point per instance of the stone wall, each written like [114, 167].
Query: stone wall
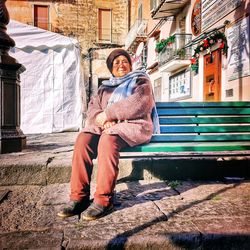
[78, 19]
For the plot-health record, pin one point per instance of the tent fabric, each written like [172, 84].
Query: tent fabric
[52, 83]
[27, 36]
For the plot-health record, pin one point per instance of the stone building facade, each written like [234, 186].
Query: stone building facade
[194, 50]
[99, 26]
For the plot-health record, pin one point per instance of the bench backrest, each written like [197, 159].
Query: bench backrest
[203, 121]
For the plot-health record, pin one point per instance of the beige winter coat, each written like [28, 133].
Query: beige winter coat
[132, 115]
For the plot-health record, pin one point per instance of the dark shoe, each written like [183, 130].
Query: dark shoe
[74, 208]
[95, 211]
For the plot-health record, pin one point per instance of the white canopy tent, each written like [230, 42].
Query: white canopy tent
[51, 85]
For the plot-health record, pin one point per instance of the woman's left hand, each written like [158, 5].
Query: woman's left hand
[108, 125]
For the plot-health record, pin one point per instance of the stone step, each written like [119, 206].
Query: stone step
[47, 160]
[41, 170]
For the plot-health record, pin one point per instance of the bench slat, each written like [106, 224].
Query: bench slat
[204, 129]
[231, 134]
[171, 147]
[204, 120]
[198, 138]
[203, 111]
[201, 104]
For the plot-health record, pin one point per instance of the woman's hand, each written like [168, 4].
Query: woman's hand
[108, 125]
[101, 119]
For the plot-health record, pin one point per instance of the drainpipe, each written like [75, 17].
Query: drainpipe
[129, 14]
[90, 57]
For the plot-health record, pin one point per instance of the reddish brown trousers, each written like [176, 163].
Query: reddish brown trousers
[87, 147]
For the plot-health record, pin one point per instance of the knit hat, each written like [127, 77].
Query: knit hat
[115, 53]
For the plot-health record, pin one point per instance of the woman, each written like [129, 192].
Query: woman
[118, 116]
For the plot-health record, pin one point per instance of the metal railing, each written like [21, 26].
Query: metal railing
[139, 29]
[177, 50]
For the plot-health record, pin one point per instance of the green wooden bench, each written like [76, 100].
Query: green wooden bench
[200, 127]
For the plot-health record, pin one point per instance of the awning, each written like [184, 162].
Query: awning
[169, 8]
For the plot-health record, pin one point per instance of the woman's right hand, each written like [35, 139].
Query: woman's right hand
[101, 119]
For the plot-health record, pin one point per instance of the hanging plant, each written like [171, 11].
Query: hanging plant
[218, 38]
[163, 43]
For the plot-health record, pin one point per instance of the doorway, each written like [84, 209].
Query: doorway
[212, 77]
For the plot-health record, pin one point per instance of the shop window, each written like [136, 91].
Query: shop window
[180, 86]
[104, 25]
[41, 16]
[157, 89]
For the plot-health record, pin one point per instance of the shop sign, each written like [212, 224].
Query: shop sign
[214, 10]
[196, 18]
[238, 52]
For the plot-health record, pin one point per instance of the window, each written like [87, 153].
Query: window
[180, 86]
[157, 89]
[41, 16]
[104, 25]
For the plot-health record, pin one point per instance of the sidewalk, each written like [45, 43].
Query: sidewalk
[149, 214]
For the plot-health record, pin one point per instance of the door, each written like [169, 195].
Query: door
[41, 16]
[212, 77]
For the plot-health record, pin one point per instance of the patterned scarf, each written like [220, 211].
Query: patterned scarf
[124, 89]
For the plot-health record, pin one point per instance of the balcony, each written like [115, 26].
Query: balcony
[168, 8]
[176, 55]
[136, 35]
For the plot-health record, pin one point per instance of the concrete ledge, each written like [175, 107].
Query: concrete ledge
[59, 170]
[47, 160]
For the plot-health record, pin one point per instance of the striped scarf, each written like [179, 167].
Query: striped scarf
[124, 87]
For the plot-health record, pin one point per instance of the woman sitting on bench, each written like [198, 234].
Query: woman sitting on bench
[122, 114]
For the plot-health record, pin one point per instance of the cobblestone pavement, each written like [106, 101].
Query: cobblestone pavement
[148, 215]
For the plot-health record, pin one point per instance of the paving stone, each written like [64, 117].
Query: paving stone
[149, 214]
[32, 240]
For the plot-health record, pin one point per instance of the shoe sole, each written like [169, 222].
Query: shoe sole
[88, 218]
[66, 215]
[63, 215]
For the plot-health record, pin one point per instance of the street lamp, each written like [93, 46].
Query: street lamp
[12, 138]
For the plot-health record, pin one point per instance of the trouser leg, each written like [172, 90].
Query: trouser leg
[82, 165]
[109, 147]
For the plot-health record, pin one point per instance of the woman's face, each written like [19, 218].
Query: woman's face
[121, 66]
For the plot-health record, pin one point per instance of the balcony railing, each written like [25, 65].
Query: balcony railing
[177, 50]
[137, 33]
[168, 8]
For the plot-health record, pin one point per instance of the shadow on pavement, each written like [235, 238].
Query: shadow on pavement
[187, 239]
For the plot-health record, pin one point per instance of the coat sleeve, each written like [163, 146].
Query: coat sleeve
[136, 106]
[94, 109]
